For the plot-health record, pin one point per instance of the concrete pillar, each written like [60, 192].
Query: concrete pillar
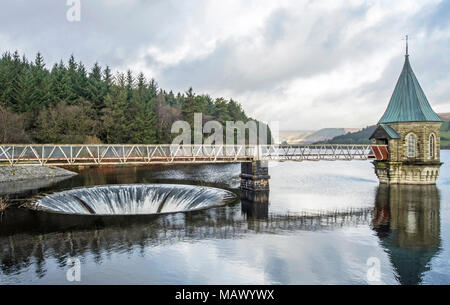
[255, 181]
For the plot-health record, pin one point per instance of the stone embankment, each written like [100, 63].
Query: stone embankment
[18, 173]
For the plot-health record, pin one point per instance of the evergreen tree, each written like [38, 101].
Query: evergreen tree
[121, 109]
[170, 98]
[235, 111]
[70, 81]
[129, 84]
[153, 88]
[58, 88]
[81, 83]
[11, 82]
[34, 86]
[191, 104]
[95, 91]
[221, 111]
[142, 116]
[107, 80]
[116, 126]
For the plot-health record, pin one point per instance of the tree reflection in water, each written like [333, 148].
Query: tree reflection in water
[30, 237]
[405, 219]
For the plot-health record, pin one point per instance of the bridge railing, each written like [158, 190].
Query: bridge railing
[67, 154]
[52, 154]
[316, 152]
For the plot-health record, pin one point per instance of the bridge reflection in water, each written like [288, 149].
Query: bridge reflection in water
[405, 219]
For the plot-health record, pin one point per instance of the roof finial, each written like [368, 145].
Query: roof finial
[407, 45]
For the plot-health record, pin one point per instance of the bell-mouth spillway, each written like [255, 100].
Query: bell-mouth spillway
[132, 199]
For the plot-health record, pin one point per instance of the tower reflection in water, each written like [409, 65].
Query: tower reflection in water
[405, 218]
[407, 222]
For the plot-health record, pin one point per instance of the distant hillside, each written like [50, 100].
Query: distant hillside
[445, 130]
[307, 137]
[362, 136]
[294, 136]
[359, 137]
[445, 116]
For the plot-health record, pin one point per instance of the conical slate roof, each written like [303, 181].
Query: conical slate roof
[408, 102]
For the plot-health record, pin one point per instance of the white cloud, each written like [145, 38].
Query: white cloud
[306, 64]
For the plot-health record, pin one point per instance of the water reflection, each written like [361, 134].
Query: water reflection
[255, 205]
[28, 187]
[255, 210]
[405, 218]
[407, 222]
[60, 236]
[313, 229]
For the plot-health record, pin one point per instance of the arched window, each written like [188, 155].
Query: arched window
[411, 145]
[432, 146]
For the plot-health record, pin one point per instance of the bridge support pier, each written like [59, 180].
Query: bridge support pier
[255, 181]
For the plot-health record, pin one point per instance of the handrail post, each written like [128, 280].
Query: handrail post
[258, 152]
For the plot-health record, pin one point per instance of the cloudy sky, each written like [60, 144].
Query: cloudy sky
[306, 64]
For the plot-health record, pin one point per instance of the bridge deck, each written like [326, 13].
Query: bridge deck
[68, 154]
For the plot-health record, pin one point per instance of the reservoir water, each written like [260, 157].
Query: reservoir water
[324, 223]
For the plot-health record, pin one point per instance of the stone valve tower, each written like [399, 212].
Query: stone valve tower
[411, 129]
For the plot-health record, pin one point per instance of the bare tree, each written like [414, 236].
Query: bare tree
[11, 127]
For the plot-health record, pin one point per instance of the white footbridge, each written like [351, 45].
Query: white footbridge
[79, 155]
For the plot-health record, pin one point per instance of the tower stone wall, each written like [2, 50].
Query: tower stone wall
[424, 167]
[398, 148]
